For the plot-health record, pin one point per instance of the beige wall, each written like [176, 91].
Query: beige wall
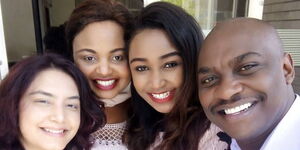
[60, 11]
[18, 28]
[283, 14]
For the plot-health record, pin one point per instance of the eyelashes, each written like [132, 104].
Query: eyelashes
[46, 103]
[211, 79]
[166, 66]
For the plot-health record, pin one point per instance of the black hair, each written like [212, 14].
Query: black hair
[186, 123]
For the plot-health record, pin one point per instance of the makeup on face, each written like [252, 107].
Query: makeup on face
[156, 69]
[99, 53]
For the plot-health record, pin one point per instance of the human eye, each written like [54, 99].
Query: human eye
[248, 68]
[42, 101]
[208, 81]
[73, 106]
[118, 58]
[141, 68]
[89, 59]
[170, 65]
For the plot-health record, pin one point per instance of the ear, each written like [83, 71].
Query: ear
[288, 68]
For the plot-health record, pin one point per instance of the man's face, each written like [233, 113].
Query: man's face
[243, 84]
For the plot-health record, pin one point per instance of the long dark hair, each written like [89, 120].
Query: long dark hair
[184, 126]
[19, 79]
[90, 11]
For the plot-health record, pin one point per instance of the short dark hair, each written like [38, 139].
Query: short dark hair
[186, 123]
[20, 77]
[90, 11]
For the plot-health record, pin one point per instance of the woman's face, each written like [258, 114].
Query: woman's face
[156, 68]
[99, 53]
[49, 111]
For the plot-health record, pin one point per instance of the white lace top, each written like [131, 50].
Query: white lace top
[109, 137]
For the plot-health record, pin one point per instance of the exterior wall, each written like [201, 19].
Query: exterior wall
[282, 14]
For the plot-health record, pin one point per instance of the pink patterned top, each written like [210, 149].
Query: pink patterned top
[210, 140]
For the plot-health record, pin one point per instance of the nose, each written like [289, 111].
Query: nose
[228, 87]
[158, 81]
[57, 114]
[104, 67]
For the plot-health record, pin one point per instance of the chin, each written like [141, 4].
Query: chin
[164, 110]
[107, 95]
[55, 147]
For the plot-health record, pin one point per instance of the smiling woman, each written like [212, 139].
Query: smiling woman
[96, 34]
[32, 105]
[162, 57]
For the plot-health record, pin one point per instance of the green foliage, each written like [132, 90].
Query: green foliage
[176, 2]
[189, 5]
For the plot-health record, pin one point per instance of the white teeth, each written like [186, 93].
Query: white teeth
[54, 131]
[161, 96]
[106, 83]
[237, 109]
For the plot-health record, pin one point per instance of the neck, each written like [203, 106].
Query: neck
[252, 145]
[118, 113]
[257, 143]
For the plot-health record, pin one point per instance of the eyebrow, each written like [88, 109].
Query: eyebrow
[161, 57]
[86, 50]
[94, 52]
[51, 95]
[74, 97]
[137, 59]
[116, 50]
[203, 70]
[169, 55]
[41, 92]
[238, 59]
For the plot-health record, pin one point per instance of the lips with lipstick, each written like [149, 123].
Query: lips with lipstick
[105, 84]
[162, 97]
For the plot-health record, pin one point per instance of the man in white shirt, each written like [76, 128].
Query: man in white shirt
[244, 80]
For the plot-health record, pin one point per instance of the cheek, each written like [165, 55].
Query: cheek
[179, 76]
[139, 81]
[264, 83]
[26, 114]
[175, 77]
[122, 70]
[203, 101]
[205, 98]
[86, 70]
[24, 121]
[74, 119]
[30, 118]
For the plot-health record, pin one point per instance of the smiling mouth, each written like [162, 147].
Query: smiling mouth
[106, 84]
[162, 97]
[238, 109]
[56, 132]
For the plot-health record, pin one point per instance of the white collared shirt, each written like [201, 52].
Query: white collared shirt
[286, 135]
